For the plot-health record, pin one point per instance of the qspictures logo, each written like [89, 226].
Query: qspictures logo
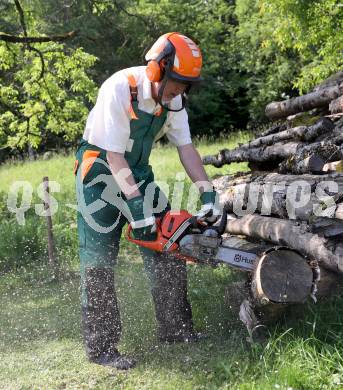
[297, 198]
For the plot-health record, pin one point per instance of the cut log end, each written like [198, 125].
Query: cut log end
[282, 276]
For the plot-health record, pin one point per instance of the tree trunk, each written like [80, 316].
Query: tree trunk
[303, 197]
[296, 151]
[331, 81]
[336, 106]
[281, 277]
[320, 98]
[249, 300]
[298, 165]
[277, 152]
[301, 133]
[328, 253]
[274, 129]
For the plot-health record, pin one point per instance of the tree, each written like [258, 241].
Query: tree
[220, 103]
[287, 46]
[254, 51]
[45, 87]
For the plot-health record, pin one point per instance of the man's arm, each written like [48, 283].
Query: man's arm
[123, 175]
[193, 165]
[141, 220]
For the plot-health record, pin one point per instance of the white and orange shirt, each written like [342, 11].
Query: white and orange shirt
[108, 123]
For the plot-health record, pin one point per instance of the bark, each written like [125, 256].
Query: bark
[296, 151]
[274, 129]
[329, 284]
[300, 133]
[331, 81]
[311, 158]
[54, 38]
[297, 165]
[294, 235]
[279, 195]
[277, 152]
[256, 311]
[335, 166]
[320, 98]
[336, 106]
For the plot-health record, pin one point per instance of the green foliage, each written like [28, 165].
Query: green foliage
[34, 106]
[27, 245]
[287, 46]
[219, 104]
[45, 87]
[254, 51]
[314, 30]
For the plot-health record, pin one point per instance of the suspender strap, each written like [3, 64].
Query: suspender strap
[134, 93]
[133, 87]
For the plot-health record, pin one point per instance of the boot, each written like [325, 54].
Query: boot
[101, 320]
[169, 292]
[115, 360]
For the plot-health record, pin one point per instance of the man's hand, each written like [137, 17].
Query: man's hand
[210, 212]
[191, 160]
[143, 226]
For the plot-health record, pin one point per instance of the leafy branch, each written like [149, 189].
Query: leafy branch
[53, 38]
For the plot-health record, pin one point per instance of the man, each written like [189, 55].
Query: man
[134, 108]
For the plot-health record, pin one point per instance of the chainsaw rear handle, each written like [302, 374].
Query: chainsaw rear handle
[156, 245]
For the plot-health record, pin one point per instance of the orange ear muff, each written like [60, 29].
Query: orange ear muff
[153, 71]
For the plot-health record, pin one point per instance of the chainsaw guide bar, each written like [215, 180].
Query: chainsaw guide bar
[209, 250]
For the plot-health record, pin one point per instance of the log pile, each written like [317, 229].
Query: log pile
[292, 198]
[300, 149]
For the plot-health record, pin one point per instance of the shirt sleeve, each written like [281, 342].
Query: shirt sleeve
[108, 125]
[178, 132]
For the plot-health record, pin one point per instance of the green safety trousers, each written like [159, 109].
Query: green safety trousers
[101, 218]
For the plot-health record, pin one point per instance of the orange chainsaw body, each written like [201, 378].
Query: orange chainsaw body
[166, 227]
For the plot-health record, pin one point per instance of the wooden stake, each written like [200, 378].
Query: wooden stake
[51, 245]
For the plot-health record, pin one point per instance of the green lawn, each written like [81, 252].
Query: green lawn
[40, 341]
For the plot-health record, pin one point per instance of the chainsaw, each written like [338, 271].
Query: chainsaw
[186, 237]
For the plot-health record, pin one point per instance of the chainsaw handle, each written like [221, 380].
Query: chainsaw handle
[147, 244]
[156, 245]
[222, 224]
[219, 228]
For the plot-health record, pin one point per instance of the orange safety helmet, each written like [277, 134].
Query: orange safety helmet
[175, 56]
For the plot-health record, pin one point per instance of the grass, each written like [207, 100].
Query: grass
[40, 341]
